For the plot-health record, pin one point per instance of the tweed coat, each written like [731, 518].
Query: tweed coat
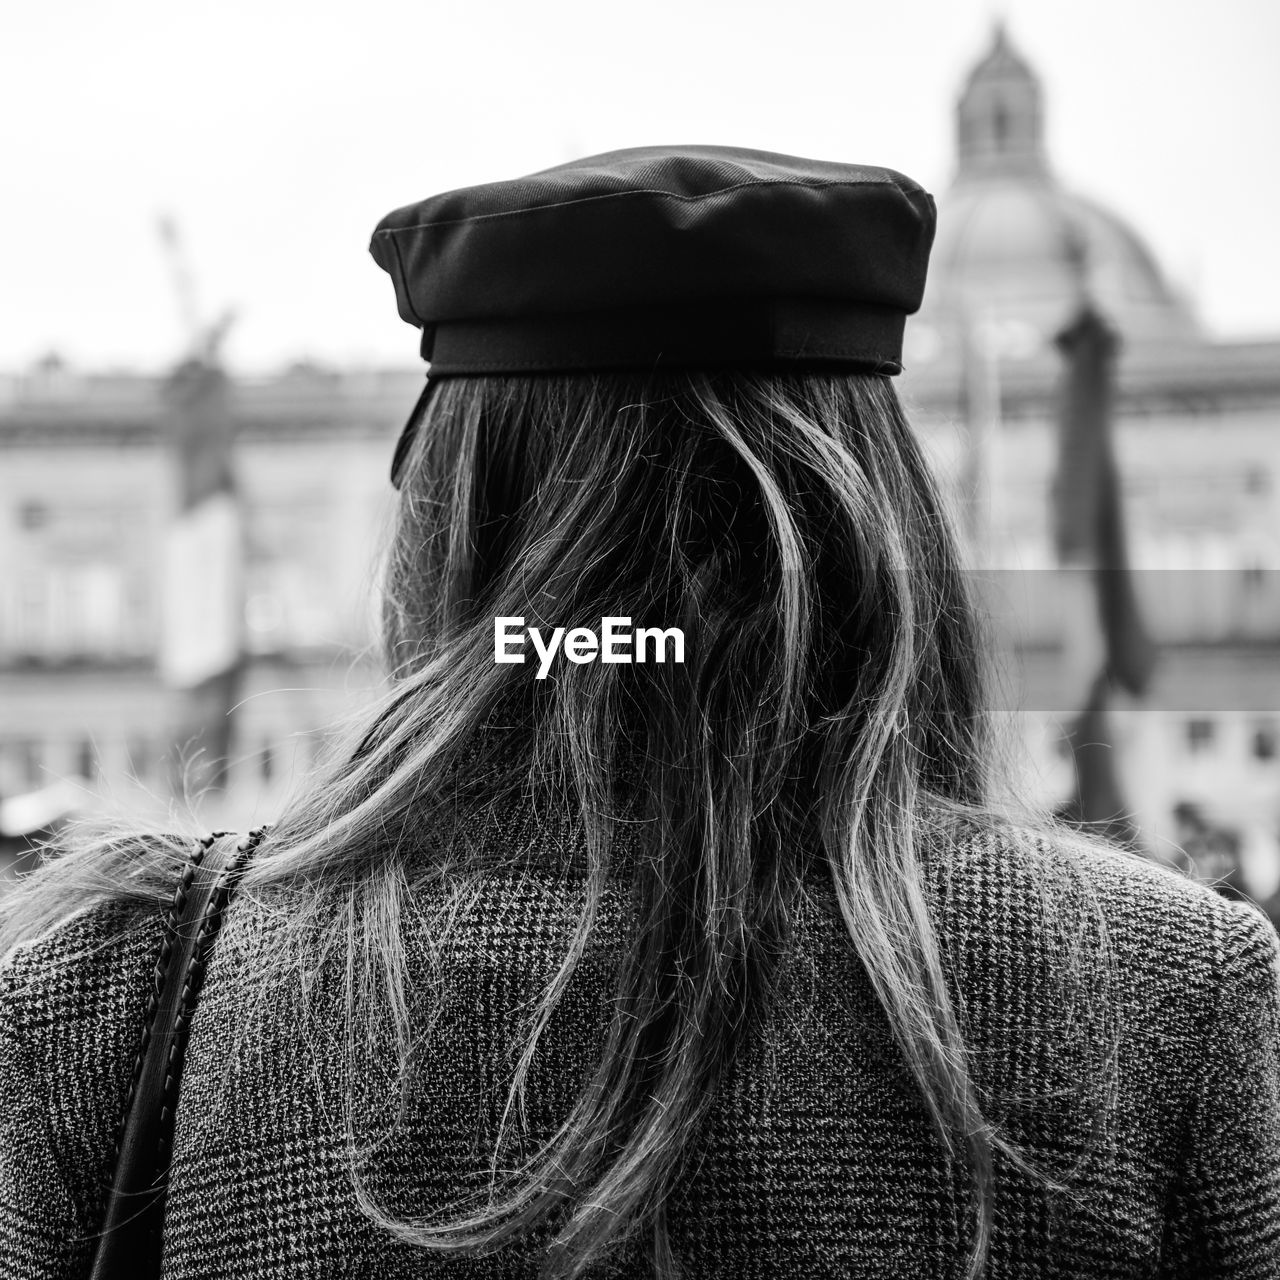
[1150, 1089]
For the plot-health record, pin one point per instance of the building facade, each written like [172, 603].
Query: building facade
[87, 487]
[88, 494]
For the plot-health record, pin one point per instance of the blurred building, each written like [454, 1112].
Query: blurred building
[87, 494]
[1197, 436]
[87, 490]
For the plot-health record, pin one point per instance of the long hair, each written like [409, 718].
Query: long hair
[829, 720]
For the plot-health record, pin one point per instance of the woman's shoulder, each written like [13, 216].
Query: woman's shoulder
[72, 1000]
[79, 938]
[78, 971]
[93, 908]
[1025, 881]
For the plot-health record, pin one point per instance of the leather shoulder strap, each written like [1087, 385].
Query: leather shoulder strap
[131, 1238]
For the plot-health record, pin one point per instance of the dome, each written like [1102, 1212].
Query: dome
[1028, 252]
[1015, 247]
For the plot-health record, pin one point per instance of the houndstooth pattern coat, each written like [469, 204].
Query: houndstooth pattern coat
[1155, 1097]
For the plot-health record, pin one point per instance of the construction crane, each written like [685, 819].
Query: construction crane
[203, 341]
[201, 653]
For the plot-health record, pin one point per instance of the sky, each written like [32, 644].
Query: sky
[276, 133]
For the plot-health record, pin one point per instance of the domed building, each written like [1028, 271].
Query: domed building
[88, 468]
[1016, 247]
[1196, 433]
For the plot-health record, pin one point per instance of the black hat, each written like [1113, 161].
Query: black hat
[663, 257]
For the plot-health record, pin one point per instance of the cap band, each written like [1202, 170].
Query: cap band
[777, 331]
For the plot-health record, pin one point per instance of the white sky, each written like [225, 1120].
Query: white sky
[278, 132]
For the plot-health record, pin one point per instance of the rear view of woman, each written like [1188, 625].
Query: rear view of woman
[659, 920]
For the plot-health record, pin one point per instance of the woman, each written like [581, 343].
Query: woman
[728, 966]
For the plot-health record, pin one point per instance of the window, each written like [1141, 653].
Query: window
[30, 624]
[1256, 480]
[1200, 734]
[21, 766]
[33, 515]
[289, 573]
[1000, 125]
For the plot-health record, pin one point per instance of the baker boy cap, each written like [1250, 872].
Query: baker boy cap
[664, 257]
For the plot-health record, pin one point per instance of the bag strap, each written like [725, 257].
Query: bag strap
[132, 1228]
